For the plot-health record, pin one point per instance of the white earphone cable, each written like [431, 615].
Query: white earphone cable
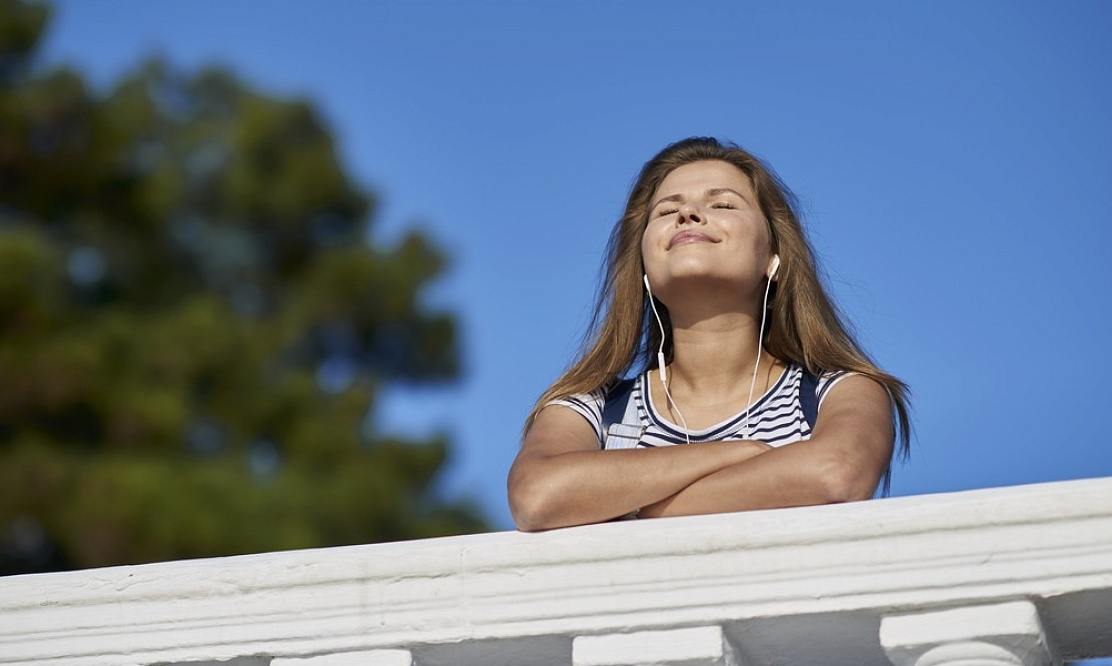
[663, 372]
[660, 363]
[760, 350]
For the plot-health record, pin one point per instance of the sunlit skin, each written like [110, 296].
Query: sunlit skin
[707, 252]
[707, 239]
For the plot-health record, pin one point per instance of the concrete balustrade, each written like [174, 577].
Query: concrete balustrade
[1019, 575]
[1006, 634]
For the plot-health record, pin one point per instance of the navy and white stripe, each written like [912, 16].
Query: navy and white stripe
[776, 418]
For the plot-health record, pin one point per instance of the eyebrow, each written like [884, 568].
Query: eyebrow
[712, 192]
[723, 190]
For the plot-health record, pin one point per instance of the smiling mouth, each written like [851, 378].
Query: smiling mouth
[689, 237]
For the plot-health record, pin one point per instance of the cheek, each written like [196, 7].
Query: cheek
[647, 236]
[653, 237]
[652, 234]
[762, 239]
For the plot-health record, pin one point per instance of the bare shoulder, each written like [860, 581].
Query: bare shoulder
[857, 404]
[558, 429]
[855, 432]
[857, 389]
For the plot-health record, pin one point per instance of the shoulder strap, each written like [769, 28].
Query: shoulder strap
[808, 397]
[616, 401]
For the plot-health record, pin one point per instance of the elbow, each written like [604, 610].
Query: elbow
[840, 481]
[526, 522]
[532, 514]
[528, 514]
[530, 506]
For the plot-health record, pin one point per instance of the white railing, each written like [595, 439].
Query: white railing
[1018, 575]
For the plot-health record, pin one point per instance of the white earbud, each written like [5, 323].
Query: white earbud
[774, 267]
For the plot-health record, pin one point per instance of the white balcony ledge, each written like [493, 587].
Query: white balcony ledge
[1027, 569]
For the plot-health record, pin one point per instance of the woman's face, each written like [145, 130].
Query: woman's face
[705, 224]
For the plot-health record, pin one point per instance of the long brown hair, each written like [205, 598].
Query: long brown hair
[805, 325]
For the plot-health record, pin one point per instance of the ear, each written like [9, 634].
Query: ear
[773, 267]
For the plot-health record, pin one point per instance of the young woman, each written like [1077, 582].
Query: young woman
[751, 394]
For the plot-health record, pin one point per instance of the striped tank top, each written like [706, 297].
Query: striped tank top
[623, 415]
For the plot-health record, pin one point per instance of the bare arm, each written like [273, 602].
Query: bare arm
[561, 477]
[843, 460]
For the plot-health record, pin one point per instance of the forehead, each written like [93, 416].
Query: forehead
[699, 176]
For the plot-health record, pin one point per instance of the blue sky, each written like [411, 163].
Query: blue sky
[954, 160]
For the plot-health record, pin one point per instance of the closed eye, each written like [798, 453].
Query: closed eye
[723, 204]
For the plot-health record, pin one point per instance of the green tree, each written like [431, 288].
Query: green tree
[194, 326]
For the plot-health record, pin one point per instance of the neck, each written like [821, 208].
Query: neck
[713, 372]
[716, 356]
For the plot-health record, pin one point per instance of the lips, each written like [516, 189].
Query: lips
[689, 237]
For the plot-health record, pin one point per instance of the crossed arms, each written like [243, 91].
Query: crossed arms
[562, 478]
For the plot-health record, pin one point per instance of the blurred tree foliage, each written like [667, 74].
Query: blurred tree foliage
[194, 326]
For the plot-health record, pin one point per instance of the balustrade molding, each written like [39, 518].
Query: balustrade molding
[1018, 576]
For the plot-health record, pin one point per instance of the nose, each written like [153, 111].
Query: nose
[689, 213]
